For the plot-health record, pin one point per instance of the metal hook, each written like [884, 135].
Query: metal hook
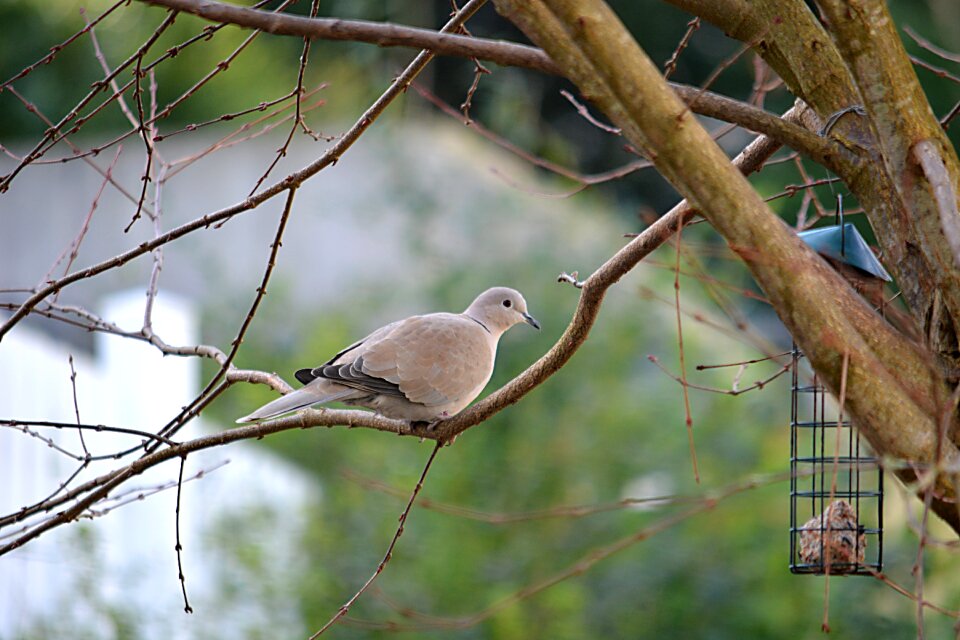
[838, 219]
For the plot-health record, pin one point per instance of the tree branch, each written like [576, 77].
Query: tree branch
[592, 292]
[789, 37]
[748, 161]
[900, 116]
[895, 395]
[822, 150]
[381, 34]
[295, 179]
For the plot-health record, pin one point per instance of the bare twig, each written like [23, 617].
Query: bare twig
[389, 554]
[501, 518]
[792, 189]
[147, 138]
[683, 366]
[671, 65]
[702, 367]
[929, 46]
[56, 49]
[226, 364]
[76, 406]
[179, 547]
[99, 428]
[733, 391]
[586, 115]
[935, 70]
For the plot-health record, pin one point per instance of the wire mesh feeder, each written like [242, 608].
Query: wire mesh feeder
[836, 487]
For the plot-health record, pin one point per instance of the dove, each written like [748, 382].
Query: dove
[421, 369]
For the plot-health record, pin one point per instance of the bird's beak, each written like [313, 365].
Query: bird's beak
[531, 321]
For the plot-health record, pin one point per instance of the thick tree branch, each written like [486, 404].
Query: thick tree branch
[929, 157]
[895, 395]
[901, 118]
[868, 58]
[831, 75]
[792, 41]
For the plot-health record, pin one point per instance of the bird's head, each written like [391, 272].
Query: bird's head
[500, 308]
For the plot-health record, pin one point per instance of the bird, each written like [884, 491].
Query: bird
[422, 369]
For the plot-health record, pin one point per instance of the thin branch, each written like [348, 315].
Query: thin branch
[110, 76]
[935, 70]
[100, 428]
[929, 46]
[389, 554]
[56, 49]
[501, 518]
[882, 577]
[586, 115]
[671, 65]
[147, 138]
[76, 406]
[247, 320]
[179, 547]
[138, 494]
[683, 362]
[703, 367]
[733, 391]
[503, 143]
[380, 34]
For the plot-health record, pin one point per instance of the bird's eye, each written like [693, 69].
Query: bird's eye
[507, 304]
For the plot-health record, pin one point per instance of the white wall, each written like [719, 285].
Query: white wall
[126, 383]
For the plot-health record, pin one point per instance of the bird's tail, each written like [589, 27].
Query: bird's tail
[294, 400]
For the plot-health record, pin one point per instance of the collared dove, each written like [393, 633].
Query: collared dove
[421, 369]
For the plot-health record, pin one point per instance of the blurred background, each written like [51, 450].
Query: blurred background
[421, 215]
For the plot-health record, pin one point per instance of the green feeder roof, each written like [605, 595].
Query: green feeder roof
[844, 244]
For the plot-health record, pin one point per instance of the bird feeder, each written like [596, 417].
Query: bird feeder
[836, 483]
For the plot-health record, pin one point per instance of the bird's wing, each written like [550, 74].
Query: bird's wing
[346, 367]
[432, 360]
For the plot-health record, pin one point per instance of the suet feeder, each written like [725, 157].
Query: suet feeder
[836, 484]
